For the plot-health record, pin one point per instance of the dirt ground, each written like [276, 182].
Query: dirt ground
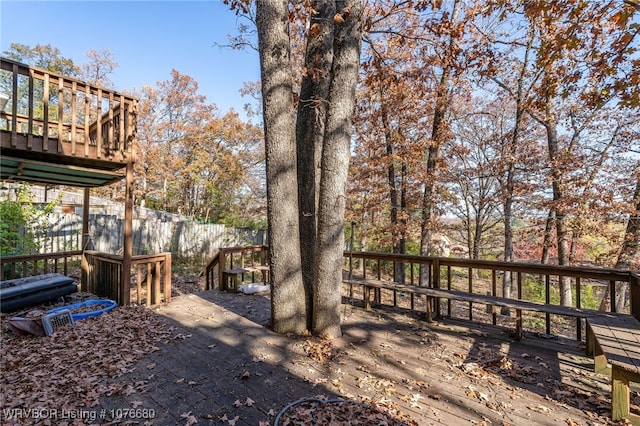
[209, 358]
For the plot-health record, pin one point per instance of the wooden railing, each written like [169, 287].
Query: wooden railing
[104, 277]
[485, 277]
[37, 264]
[234, 257]
[47, 112]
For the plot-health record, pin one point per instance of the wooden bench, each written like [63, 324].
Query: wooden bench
[435, 293]
[232, 278]
[614, 339]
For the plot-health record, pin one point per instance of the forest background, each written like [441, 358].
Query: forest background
[510, 129]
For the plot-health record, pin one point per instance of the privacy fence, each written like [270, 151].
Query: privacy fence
[183, 239]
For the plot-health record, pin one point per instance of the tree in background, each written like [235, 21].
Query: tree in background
[192, 161]
[41, 56]
[23, 226]
[100, 66]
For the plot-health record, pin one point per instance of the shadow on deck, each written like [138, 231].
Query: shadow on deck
[225, 363]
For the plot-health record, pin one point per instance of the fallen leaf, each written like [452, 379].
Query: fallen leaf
[314, 30]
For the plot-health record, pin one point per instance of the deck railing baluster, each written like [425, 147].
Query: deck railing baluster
[30, 111]
[60, 115]
[74, 100]
[14, 108]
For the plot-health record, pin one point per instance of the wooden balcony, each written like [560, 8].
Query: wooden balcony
[58, 130]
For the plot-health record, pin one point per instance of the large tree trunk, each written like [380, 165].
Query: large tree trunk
[288, 308]
[334, 170]
[312, 106]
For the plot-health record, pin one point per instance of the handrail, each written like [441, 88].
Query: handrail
[230, 257]
[17, 266]
[440, 275]
[533, 268]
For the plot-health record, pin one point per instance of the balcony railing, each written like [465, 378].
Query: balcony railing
[50, 113]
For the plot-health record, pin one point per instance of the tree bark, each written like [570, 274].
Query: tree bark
[509, 199]
[433, 154]
[288, 310]
[396, 195]
[334, 170]
[546, 243]
[562, 231]
[629, 250]
[312, 106]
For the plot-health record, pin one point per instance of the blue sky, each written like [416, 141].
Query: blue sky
[148, 40]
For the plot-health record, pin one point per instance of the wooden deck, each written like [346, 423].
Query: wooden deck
[447, 373]
[615, 339]
[59, 130]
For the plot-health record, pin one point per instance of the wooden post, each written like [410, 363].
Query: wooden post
[109, 145]
[470, 289]
[87, 113]
[60, 115]
[150, 300]
[14, 108]
[435, 283]
[139, 284]
[99, 125]
[519, 324]
[494, 287]
[128, 234]
[84, 284]
[74, 118]
[30, 113]
[366, 292]
[156, 283]
[167, 278]
[634, 293]
[619, 395]
[578, 305]
[221, 267]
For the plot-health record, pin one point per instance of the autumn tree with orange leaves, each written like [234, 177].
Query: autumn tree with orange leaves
[191, 160]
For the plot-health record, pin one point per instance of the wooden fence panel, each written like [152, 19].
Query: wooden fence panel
[184, 239]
